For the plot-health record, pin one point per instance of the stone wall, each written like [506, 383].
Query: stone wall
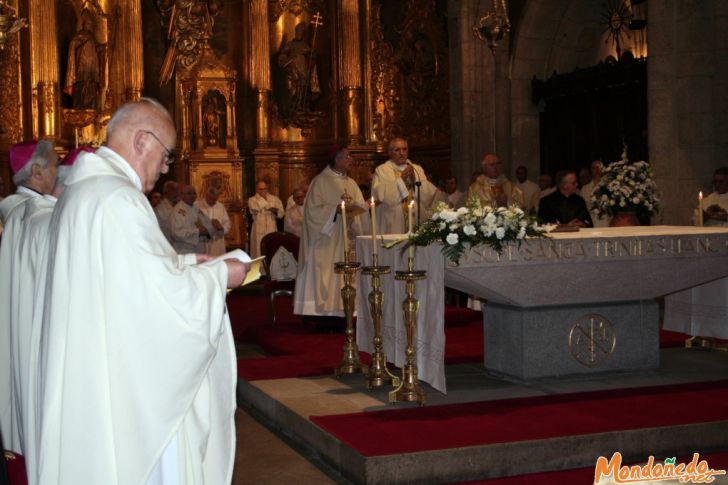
[687, 76]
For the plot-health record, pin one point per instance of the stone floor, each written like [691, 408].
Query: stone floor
[267, 457]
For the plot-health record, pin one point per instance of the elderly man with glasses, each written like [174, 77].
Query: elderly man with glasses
[138, 360]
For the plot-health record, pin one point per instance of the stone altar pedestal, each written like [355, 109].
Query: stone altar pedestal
[584, 302]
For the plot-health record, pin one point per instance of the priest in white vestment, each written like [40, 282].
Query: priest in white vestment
[190, 227]
[587, 191]
[26, 324]
[164, 209]
[530, 190]
[702, 311]
[396, 183]
[265, 209]
[493, 188]
[34, 168]
[318, 287]
[138, 372]
[293, 220]
[219, 220]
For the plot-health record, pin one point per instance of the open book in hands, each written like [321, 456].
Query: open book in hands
[254, 265]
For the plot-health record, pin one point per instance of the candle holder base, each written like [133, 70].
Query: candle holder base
[350, 363]
[379, 374]
[410, 390]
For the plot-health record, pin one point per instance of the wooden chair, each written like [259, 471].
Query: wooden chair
[268, 247]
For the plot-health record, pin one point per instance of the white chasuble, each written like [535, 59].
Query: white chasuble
[139, 355]
[389, 188]
[215, 244]
[264, 221]
[12, 279]
[318, 287]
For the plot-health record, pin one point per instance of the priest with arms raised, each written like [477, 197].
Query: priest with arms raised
[138, 378]
[318, 287]
[396, 183]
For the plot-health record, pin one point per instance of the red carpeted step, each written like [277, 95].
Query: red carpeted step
[470, 424]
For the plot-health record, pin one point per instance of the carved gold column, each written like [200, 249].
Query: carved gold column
[131, 15]
[350, 77]
[44, 71]
[260, 67]
[11, 104]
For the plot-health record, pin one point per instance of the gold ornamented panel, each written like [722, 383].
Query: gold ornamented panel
[409, 72]
[11, 124]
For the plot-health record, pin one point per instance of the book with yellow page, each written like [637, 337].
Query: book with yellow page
[254, 265]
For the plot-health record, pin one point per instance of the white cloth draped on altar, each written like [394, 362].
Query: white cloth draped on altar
[430, 317]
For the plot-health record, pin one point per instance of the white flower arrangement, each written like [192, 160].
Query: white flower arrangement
[474, 224]
[626, 187]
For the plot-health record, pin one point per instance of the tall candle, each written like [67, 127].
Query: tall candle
[343, 228]
[373, 211]
[700, 208]
[411, 216]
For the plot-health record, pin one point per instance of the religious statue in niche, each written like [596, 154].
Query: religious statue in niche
[418, 63]
[190, 27]
[297, 77]
[86, 60]
[211, 120]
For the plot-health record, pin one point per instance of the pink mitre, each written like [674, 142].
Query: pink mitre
[21, 154]
[71, 156]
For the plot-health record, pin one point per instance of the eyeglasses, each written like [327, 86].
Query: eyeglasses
[168, 155]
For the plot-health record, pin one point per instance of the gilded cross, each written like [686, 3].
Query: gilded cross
[317, 20]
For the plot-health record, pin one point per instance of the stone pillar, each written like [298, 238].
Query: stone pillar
[44, 72]
[350, 61]
[687, 78]
[472, 93]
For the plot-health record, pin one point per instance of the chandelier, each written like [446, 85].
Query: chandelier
[9, 23]
[494, 25]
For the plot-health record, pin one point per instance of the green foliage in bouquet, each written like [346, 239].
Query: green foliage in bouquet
[471, 225]
[626, 187]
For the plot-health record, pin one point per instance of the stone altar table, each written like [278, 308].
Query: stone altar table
[584, 302]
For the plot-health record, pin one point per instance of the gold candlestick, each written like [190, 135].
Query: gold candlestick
[409, 389]
[379, 374]
[350, 362]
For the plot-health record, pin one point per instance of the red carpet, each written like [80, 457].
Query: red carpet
[459, 425]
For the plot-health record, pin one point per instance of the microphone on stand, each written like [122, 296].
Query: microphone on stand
[418, 184]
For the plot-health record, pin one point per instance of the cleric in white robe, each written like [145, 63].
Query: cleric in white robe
[397, 182]
[265, 209]
[34, 167]
[318, 287]
[293, 220]
[139, 370]
[219, 221]
[190, 228]
[26, 322]
[164, 209]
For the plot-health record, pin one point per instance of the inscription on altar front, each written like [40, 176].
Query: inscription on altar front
[535, 250]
